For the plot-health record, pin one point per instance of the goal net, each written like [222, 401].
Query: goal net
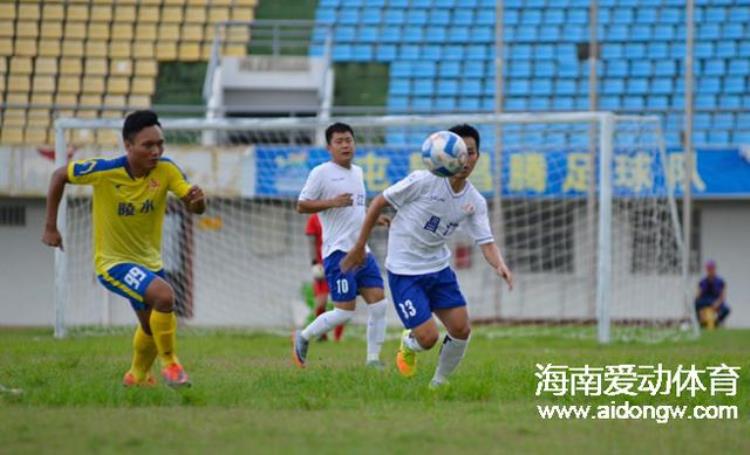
[581, 206]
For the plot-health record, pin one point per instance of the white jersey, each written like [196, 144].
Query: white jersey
[429, 212]
[341, 225]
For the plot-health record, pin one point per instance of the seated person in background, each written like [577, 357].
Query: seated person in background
[712, 293]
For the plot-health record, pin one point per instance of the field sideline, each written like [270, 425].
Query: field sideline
[248, 396]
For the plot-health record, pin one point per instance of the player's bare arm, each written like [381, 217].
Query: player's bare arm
[495, 259]
[195, 200]
[356, 256]
[51, 235]
[342, 200]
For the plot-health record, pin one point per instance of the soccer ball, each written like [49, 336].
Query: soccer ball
[444, 153]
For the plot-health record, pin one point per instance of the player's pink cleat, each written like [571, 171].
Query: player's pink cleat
[129, 380]
[174, 376]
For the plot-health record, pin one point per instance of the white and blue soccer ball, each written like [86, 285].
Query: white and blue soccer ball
[444, 153]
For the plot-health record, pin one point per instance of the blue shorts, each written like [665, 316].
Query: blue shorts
[417, 296]
[130, 281]
[345, 286]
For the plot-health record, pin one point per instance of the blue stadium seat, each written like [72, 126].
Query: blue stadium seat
[640, 32]
[349, 16]
[549, 33]
[611, 51]
[468, 103]
[413, 34]
[563, 103]
[726, 48]
[707, 31]
[341, 52]
[727, 101]
[574, 33]
[426, 69]
[439, 17]
[708, 85]
[657, 102]
[637, 86]
[539, 103]
[408, 52]
[657, 50]
[471, 87]
[671, 16]
[463, 17]
[449, 69]
[394, 16]
[518, 68]
[663, 32]
[565, 87]
[435, 34]
[344, 34]
[703, 49]
[732, 30]
[416, 17]
[474, 68]
[744, 49]
[516, 103]
[739, 67]
[325, 16]
[390, 34]
[423, 87]
[553, 16]
[568, 69]
[716, 14]
[385, 52]
[544, 68]
[622, 15]
[617, 68]
[481, 34]
[723, 121]
[445, 103]
[400, 86]
[362, 53]
[665, 68]
[700, 137]
[741, 137]
[734, 84]
[447, 87]
[544, 51]
[633, 103]
[577, 16]
[662, 85]
[328, 3]
[453, 52]
[377, 3]
[371, 16]
[526, 33]
[635, 50]
[541, 86]
[705, 101]
[422, 103]
[368, 34]
[739, 13]
[610, 86]
[645, 15]
[432, 52]
[531, 16]
[616, 32]
[459, 35]
[713, 67]
[519, 87]
[401, 69]
[717, 137]
[641, 68]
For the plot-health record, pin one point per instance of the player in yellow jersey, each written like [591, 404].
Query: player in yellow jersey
[129, 202]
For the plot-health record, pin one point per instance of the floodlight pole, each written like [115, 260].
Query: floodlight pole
[497, 170]
[688, 152]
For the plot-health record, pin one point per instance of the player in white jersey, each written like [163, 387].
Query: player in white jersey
[429, 210]
[336, 191]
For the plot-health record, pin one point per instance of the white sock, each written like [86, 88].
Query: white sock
[411, 342]
[375, 329]
[326, 322]
[451, 354]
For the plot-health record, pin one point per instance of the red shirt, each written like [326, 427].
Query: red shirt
[314, 228]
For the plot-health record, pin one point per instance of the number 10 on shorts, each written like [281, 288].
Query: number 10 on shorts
[407, 309]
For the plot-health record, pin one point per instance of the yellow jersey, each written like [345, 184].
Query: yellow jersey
[128, 212]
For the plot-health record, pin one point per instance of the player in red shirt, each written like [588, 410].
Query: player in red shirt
[314, 232]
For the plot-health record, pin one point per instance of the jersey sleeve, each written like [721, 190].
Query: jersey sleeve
[86, 172]
[178, 182]
[313, 226]
[406, 190]
[312, 190]
[479, 223]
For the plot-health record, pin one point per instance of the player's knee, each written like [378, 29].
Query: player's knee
[428, 339]
[462, 332]
[161, 297]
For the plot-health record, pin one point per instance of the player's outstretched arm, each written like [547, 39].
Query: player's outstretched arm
[195, 200]
[315, 206]
[357, 254]
[493, 257]
[51, 235]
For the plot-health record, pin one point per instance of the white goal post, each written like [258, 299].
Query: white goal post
[582, 207]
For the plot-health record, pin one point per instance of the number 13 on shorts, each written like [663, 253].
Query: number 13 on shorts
[407, 309]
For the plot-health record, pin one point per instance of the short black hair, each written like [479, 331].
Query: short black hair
[137, 121]
[337, 127]
[466, 130]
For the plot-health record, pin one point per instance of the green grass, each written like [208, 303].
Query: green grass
[247, 396]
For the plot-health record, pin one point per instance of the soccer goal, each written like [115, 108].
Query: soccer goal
[581, 204]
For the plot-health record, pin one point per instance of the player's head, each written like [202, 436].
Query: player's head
[143, 138]
[470, 135]
[340, 142]
[711, 267]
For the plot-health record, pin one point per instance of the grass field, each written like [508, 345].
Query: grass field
[247, 397]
